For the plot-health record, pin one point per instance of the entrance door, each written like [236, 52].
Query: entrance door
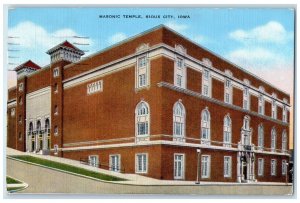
[245, 170]
[178, 166]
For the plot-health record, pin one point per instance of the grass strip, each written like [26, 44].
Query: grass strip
[69, 168]
[10, 180]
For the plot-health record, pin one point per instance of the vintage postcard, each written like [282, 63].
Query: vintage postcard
[141, 100]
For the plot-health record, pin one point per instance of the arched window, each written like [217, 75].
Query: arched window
[273, 139]
[227, 131]
[284, 141]
[142, 114]
[205, 127]
[30, 128]
[47, 130]
[47, 125]
[178, 120]
[38, 127]
[246, 139]
[260, 137]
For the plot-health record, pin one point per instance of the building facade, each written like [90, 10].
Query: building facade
[156, 104]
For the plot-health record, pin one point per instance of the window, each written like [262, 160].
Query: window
[206, 83]
[205, 127]
[284, 141]
[94, 160]
[20, 119]
[227, 131]
[206, 74]
[178, 166]
[20, 100]
[55, 110]
[142, 80]
[284, 167]
[274, 109]
[246, 103]
[55, 130]
[178, 120]
[261, 105]
[142, 62]
[55, 72]
[179, 62]
[141, 163]
[205, 166]
[55, 149]
[246, 124]
[142, 119]
[114, 161]
[273, 139]
[228, 92]
[284, 114]
[179, 80]
[273, 167]
[95, 87]
[142, 72]
[227, 166]
[55, 88]
[21, 87]
[260, 141]
[20, 136]
[260, 167]
[179, 73]
[12, 112]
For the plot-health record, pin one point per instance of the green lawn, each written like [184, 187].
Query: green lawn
[13, 188]
[69, 168]
[10, 180]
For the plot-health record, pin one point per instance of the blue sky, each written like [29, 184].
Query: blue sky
[259, 40]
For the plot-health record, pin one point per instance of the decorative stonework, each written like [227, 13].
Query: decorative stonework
[142, 47]
[207, 62]
[179, 48]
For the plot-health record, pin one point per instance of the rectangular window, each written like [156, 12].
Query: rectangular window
[205, 90]
[114, 163]
[227, 83]
[21, 87]
[179, 62]
[206, 74]
[55, 72]
[178, 128]
[12, 112]
[142, 80]
[95, 87]
[273, 167]
[260, 167]
[227, 98]
[143, 128]
[94, 160]
[245, 104]
[55, 149]
[178, 166]
[227, 141]
[205, 166]
[284, 167]
[55, 130]
[227, 166]
[179, 80]
[142, 62]
[141, 163]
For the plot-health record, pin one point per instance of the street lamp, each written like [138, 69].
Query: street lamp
[198, 166]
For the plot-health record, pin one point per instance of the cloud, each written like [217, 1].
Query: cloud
[176, 26]
[117, 38]
[267, 64]
[35, 40]
[272, 32]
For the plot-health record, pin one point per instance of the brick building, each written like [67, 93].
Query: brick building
[147, 105]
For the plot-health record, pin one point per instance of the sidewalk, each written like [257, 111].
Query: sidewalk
[132, 179]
